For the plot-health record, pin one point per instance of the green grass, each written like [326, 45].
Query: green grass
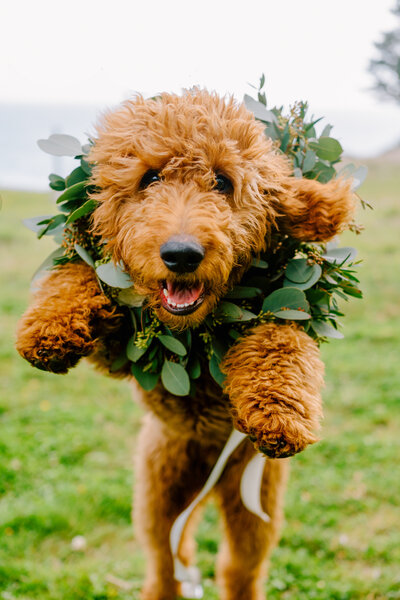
[66, 444]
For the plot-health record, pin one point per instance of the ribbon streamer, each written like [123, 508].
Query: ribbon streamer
[250, 489]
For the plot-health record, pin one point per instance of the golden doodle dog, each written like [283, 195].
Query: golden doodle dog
[189, 189]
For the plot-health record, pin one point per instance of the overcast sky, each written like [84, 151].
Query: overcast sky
[99, 52]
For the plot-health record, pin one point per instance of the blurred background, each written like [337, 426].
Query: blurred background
[66, 442]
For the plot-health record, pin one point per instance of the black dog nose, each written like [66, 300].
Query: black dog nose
[182, 255]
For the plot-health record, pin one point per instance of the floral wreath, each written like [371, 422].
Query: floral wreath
[296, 281]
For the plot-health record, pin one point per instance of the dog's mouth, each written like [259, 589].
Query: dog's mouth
[180, 299]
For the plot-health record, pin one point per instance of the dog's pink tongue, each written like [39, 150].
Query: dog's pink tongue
[183, 295]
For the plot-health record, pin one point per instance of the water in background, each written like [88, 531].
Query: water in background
[24, 166]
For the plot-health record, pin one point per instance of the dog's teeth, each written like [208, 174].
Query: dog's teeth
[165, 292]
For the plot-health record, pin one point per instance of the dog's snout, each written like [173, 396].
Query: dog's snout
[182, 254]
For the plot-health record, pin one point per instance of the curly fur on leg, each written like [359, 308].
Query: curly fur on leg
[68, 313]
[274, 376]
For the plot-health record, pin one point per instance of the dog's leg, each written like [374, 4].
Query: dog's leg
[68, 312]
[170, 471]
[274, 378]
[248, 541]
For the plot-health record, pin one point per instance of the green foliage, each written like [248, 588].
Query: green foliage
[301, 282]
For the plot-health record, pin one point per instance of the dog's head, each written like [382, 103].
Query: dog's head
[189, 189]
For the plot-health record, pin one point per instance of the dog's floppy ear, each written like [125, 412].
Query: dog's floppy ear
[311, 211]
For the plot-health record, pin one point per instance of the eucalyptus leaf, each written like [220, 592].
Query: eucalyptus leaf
[73, 192]
[175, 378]
[322, 173]
[359, 176]
[113, 275]
[285, 298]
[146, 380]
[228, 310]
[60, 144]
[129, 297]
[339, 256]
[84, 254]
[240, 291]
[293, 315]
[258, 263]
[299, 270]
[57, 183]
[86, 167]
[310, 158]
[133, 352]
[76, 176]
[323, 329]
[82, 211]
[35, 224]
[215, 371]
[308, 276]
[326, 130]
[172, 344]
[259, 110]
[327, 148]
[53, 224]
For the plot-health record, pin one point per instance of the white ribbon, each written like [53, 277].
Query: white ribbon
[250, 490]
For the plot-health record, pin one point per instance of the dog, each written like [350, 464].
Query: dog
[188, 191]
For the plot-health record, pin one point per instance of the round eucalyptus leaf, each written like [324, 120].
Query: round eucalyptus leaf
[301, 275]
[175, 378]
[285, 298]
[146, 380]
[327, 148]
[60, 144]
[173, 344]
[113, 275]
[292, 315]
[316, 276]
[324, 329]
[299, 270]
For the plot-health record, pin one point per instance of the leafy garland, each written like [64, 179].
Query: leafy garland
[296, 280]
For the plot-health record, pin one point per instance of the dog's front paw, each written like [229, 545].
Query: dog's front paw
[50, 347]
[278, 435]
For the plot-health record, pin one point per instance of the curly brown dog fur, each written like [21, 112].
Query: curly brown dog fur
[274, 374]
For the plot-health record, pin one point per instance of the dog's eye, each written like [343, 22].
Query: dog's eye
[223, 185]
[149, 178]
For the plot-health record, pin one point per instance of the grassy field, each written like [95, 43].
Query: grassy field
[66, 444]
